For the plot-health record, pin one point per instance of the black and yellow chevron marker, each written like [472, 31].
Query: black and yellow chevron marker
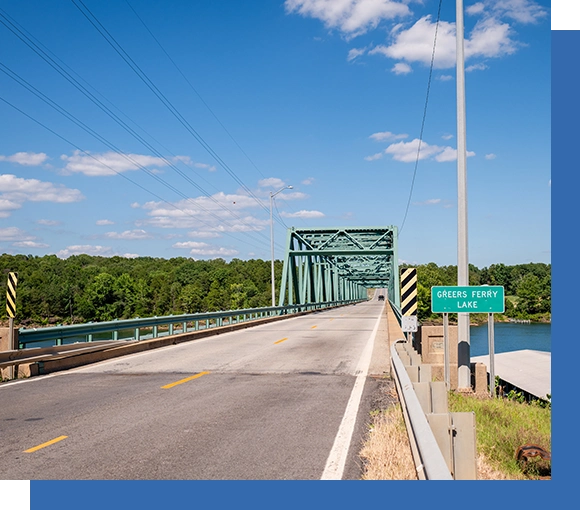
[11, 294]
[409, 291]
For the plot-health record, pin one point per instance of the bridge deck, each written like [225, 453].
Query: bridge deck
[526, 369]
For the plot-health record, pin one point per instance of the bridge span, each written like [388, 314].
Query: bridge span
[283, 400]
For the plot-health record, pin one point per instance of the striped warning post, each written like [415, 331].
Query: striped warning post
[409, 291]
[11, 294]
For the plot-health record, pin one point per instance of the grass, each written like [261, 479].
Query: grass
[502, 426]
[386, 454]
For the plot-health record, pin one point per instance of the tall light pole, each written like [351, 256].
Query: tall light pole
[272, 195]
[463, 347]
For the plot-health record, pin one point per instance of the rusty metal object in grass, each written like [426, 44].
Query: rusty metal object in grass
[528, 451]
[542, 467]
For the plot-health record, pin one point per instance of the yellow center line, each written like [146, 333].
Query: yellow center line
[281, 340]
[167, 386]
[312, 327]
[44, 445]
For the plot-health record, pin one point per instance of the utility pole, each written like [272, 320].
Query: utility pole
[463, 345]
[272, 195]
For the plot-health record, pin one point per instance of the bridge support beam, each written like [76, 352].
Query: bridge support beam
[332, 264]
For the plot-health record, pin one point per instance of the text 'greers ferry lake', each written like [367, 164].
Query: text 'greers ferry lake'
[483, 299]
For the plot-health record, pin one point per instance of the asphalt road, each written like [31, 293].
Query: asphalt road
[267, 402]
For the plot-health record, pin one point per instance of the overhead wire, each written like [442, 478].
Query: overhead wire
[423, 120]
[89, 130]
[18, 31]
[191, 86]
[25, 84]
[93, 20]
[104, 164]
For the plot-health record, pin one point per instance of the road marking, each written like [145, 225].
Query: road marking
[336, 461]
[44, 445]
[167, 386]
[280, 341]
[312, 327]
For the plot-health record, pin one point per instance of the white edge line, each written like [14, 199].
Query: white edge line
[336, 461]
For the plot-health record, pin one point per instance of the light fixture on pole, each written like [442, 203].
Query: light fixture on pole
[272, 195]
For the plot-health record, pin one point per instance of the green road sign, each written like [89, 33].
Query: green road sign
[481, 299]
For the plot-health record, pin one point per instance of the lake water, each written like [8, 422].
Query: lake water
[509, 336]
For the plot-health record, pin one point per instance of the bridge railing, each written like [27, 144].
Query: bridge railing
[154, 327]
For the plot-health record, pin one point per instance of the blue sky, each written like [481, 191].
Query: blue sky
[149, 128]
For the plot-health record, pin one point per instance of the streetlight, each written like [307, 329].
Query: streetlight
[272, 195]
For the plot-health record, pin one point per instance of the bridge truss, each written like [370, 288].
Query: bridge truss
[333, 264]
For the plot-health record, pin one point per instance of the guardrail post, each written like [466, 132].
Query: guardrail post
[137, 333]
[455, 435]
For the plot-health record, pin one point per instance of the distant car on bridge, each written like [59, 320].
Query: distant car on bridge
[381, 297]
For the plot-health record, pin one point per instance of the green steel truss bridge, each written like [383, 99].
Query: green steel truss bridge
[333, 264]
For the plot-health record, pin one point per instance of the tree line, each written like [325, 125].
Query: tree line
[85, 288]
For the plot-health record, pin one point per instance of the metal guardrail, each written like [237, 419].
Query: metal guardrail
[430, 462]
[154, 327]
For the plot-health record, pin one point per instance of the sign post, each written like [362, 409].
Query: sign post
[488, 299]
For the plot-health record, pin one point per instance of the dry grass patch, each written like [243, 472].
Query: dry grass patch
[386, 453]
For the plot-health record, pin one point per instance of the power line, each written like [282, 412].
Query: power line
[167, 103]
[83, 126]
[16, 30]
[423, 121]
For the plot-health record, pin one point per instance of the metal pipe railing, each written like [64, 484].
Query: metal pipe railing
[133, 329]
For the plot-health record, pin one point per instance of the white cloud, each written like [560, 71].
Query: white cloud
[7, 206]
[109, 163]
[450, 154]
[30, 244]
[104, 222]
[355, 53]
[206, 250]
[386, 135]
[445, 77]
[447, 137]
[490, 156]
[476, 67]
[209, 168]
[407, 152]
[351, 17]
[15, 190]
[206, 214]
[521, 11]
[102, 251]
[401, 68]
[14, 234]
[490, 38]
[476, 8]
[374, 157]
[308, 181]
[203, 234]
[48, 223]
[26, 158]
[416, 44]
[129, 234]
[303, 214]
[271, 182]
